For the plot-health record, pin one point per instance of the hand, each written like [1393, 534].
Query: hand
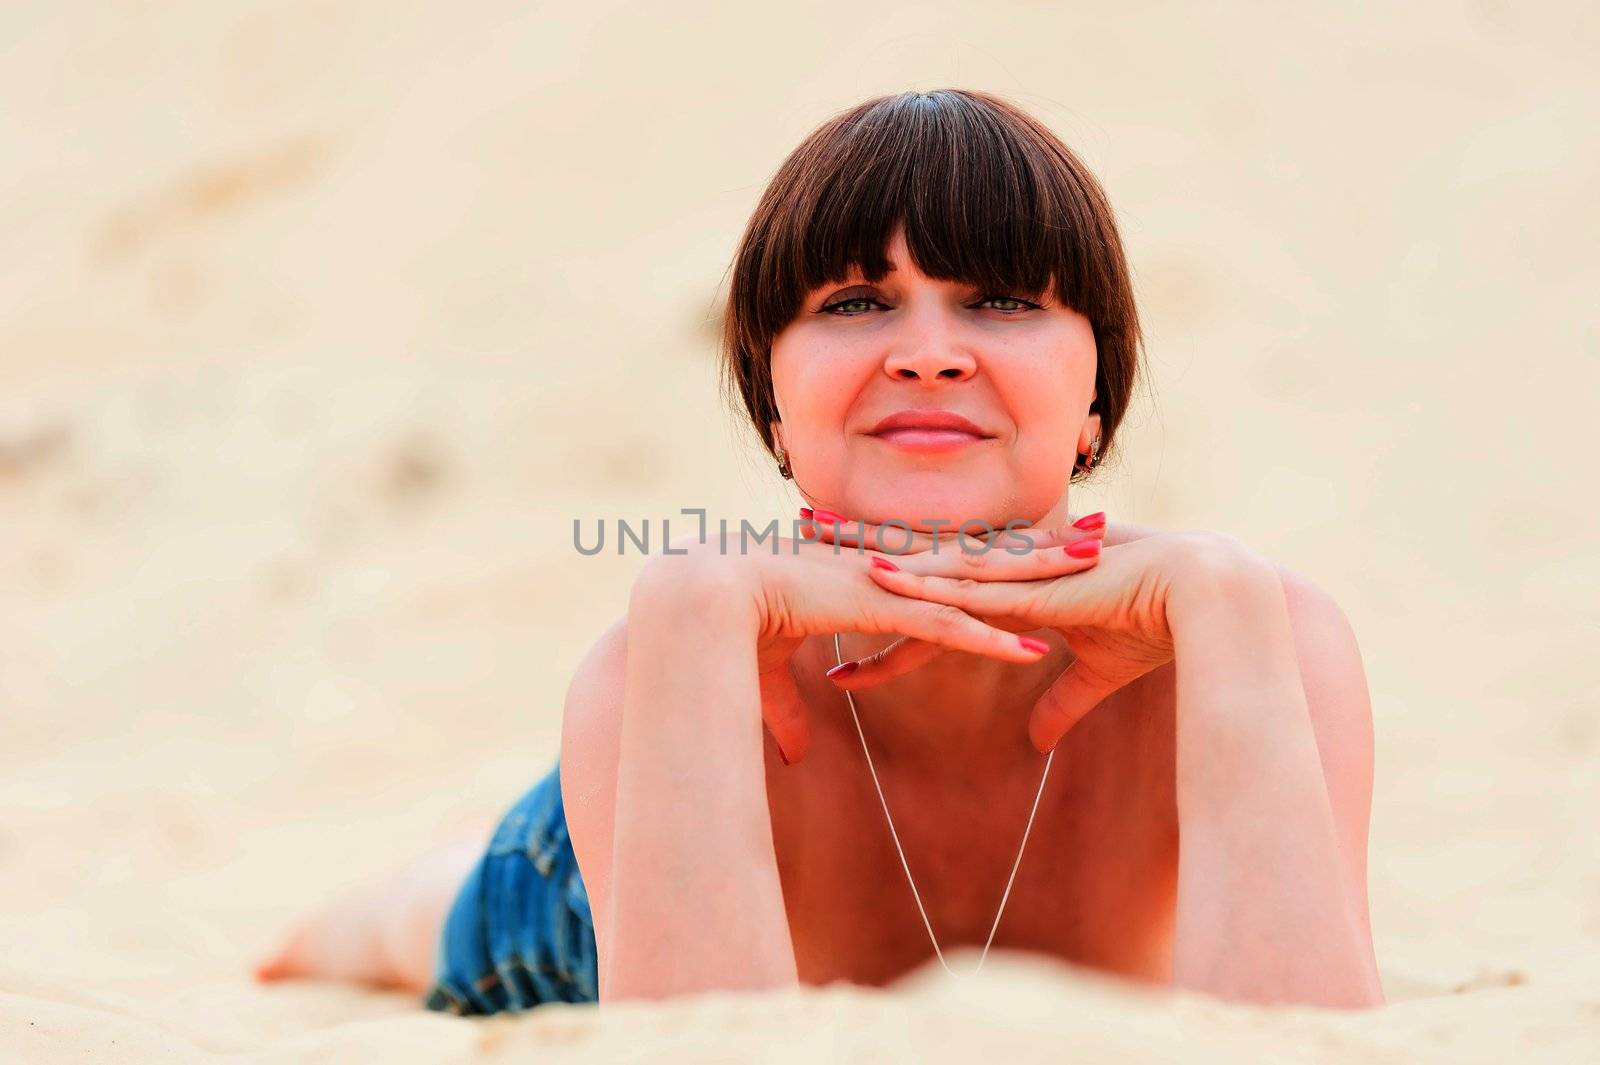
[805, 589]
[829, 528]
[1113, 614]
[911, 653]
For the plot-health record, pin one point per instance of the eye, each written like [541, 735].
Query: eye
[1007, 304]
[851, 307]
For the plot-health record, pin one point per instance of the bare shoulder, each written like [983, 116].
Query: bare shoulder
[1340, 706]
[1335, 683]
[594, 703]
[1334, 679]
[591, 746]
[1329, 655]
[591, 738]
[1331, 668]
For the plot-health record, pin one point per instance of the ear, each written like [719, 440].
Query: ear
[1087, 435]
[776, 428]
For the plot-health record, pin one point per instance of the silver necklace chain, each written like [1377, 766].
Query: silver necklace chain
[839, 655]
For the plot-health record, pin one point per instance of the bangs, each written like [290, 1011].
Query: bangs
[983, 201]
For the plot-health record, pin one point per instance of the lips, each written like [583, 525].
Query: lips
[929, 432]
[930, 421]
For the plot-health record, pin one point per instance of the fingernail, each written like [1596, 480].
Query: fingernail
[828, 517]
[1030, 643]
[1091, 521]
[883, 563]
[805, 512]
[1083, 548]
[843, 669]
[781, 754]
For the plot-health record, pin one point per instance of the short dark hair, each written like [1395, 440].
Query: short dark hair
[987, 195]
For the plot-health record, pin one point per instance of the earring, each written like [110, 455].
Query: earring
[783, 464]
[1094, 457]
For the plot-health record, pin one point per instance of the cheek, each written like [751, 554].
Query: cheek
[1048, 416]
[1048, 398]
[813, 385]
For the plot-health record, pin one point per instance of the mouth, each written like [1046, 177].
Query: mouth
[928, 430]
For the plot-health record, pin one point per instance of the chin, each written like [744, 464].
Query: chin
[920, 509]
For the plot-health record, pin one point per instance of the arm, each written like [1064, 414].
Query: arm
[1335, 683]
[1274, 741]
[1335, 686]
[591, 738]
[694, 898]
[1271, 870]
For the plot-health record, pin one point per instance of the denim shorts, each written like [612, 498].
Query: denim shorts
[520, 932]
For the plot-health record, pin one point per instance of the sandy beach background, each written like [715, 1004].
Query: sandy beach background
[321, 322]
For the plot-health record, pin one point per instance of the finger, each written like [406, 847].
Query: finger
[949, 627]
[1040, 562]
[906, 656]
[1090, 526]
[827, 527]
[1078, 690]
[1010, 600]
[898, 539]
[988, 587]
[1071, 528]
[784, 712]
[901, 657]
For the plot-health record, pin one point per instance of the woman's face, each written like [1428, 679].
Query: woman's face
[1020, 369]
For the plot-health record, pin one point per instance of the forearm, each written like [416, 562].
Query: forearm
[695, 898]
[1265, 910]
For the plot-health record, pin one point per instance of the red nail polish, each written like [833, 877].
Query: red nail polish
[1030, 643]
[843, 669]
[805, 512]
[883, 563]
[1083, 548]
[828, 517]
[1091, 521]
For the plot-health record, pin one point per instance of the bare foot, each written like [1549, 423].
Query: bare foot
[384, 935]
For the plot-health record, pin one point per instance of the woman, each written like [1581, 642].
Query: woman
[932, 328]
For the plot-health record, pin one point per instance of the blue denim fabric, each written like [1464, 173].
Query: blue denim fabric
[520, 932]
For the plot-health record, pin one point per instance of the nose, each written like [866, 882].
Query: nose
[929, 352]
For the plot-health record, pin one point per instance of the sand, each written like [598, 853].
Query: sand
[319, 325]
